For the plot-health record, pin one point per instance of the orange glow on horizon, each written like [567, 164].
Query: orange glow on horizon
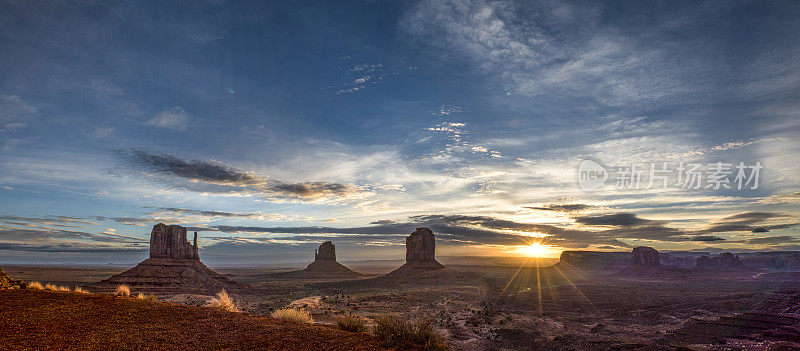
[536, 249]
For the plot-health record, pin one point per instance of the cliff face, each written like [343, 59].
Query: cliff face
[421, 246]
[326, 252]
[594, 259]
[723, 260]
[645, 256]
[169, 241]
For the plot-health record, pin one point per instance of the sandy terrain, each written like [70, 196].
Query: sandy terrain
[43, 320]
[510, 308]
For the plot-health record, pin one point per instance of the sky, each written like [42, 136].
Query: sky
[270, 127]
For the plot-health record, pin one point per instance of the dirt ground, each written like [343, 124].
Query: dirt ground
[43, 320]
[529, 308]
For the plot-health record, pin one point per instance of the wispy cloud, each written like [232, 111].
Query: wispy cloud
[174, 119]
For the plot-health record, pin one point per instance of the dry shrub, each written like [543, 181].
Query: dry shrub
[35, 286]
[142, 296]
[78, 289]
[405, 334]
[293, 315]
[351, 323]
[223, 301]
[122, 290]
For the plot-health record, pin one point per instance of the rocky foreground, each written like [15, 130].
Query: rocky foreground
[43, 320]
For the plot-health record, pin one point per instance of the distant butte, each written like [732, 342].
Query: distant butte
[420, 253]
[173, 267]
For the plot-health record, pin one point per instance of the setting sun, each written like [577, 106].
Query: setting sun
[534, 250]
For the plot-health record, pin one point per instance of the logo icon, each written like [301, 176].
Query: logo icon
[591, 175]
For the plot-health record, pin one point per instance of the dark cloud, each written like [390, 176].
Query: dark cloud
[562, 208]
[59, 221]
[195, 170]
[707, 238]
[215, 177]
[773, 240]
[210, 213]
[749, 222]
[311, 190]
[29, 235]
[70, 247]
[617, 219]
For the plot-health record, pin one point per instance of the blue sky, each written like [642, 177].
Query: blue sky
[273, 127]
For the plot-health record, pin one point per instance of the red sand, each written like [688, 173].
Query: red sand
[42, 320]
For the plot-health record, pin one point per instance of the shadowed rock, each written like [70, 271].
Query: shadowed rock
[326, 252]
[325, 263]
[645, 256]
[723, 260]
[420, 253]
[169, 241]
[173, 267]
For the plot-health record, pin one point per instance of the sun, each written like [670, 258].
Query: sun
[534, 250]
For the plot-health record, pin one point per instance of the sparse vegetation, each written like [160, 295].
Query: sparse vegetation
[352, 323]
[142, 296]
[223, 301]
[405, 334]
[293, 315]
[122, 290]
[35, 286]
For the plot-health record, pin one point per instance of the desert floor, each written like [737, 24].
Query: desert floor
[529, 308]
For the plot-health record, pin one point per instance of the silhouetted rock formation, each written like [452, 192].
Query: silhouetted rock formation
[325, 263]
[420, 253]
[723, 260]
[783, 260]
[592, 260]
[173, 267]
[645, 256]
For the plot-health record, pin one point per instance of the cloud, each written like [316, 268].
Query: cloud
[773, 240]
[707, 238]
[70, 247]
[32, 235]
[208, 171]
[215, 177]
[755, 222]
[13, 108]
[175, 119]
[13, 127]
[363, 75]
[562, 208]
[618, 219]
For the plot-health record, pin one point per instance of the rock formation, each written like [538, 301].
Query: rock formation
[420, 252]
[645, 256]
[169, 241]
[173, 267]
[723, 260]
[326, 252]
[592, 260]
[325, 263]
